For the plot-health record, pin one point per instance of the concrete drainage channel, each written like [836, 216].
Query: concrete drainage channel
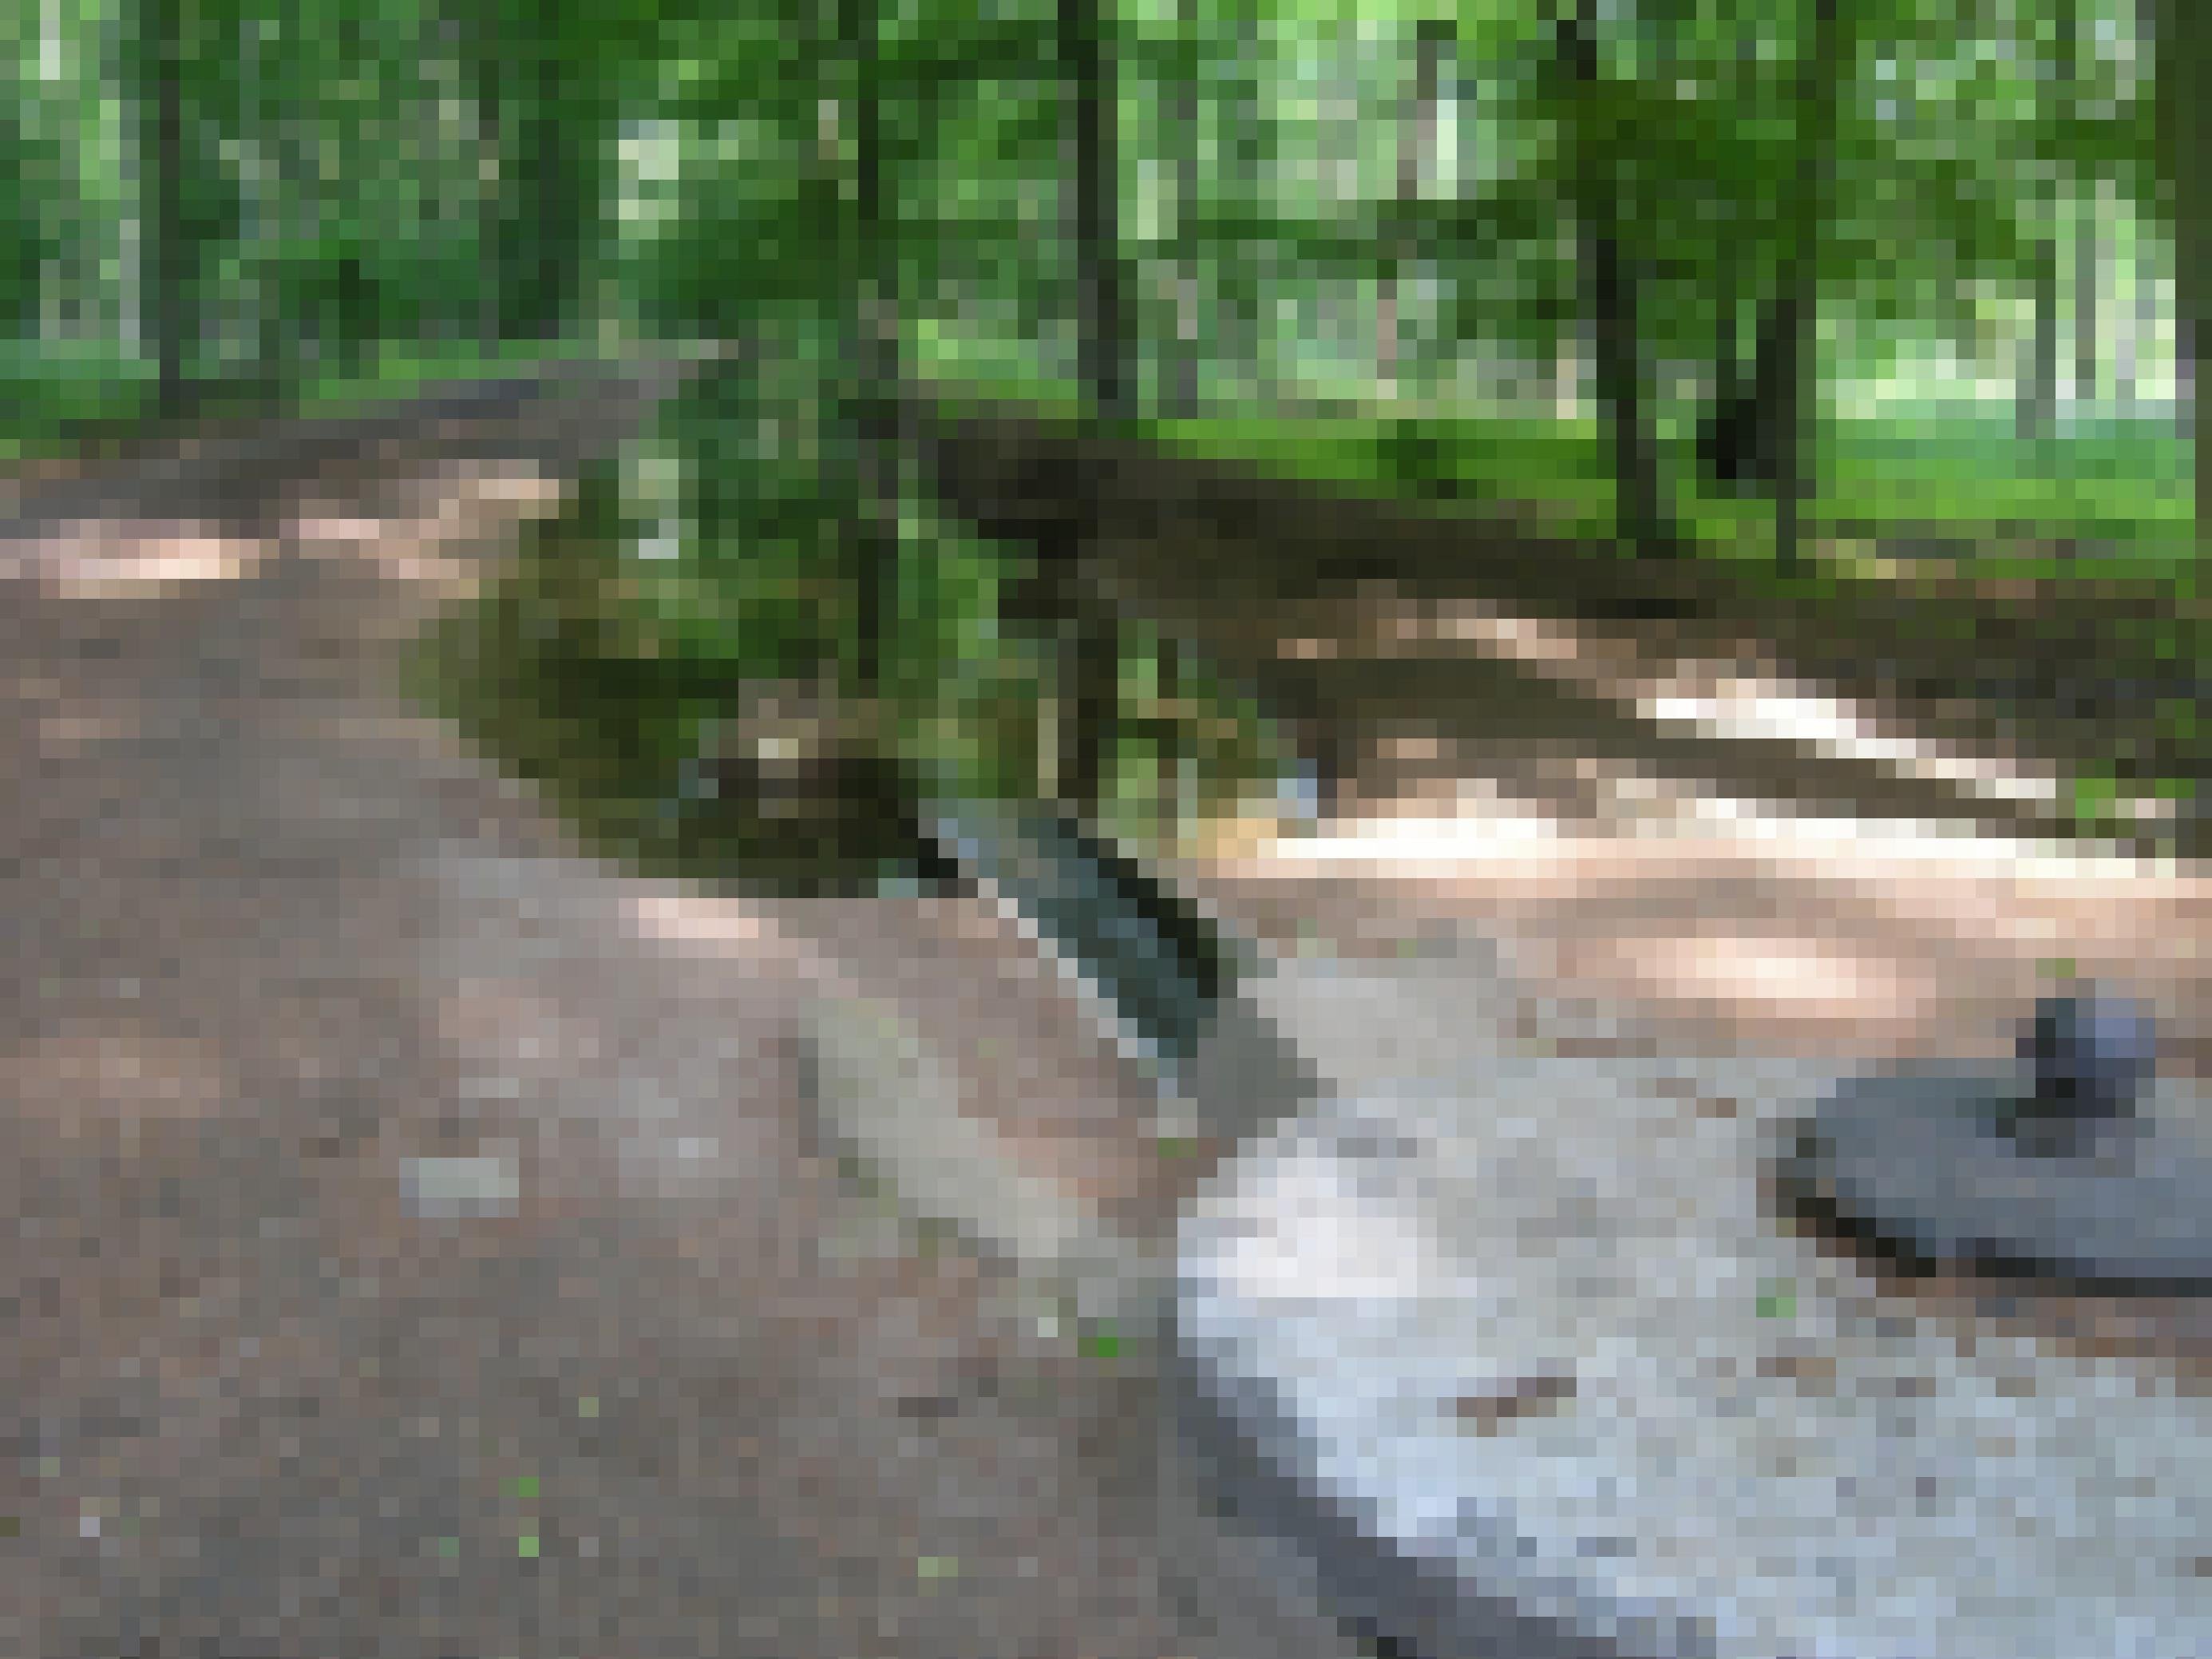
[894, 1102]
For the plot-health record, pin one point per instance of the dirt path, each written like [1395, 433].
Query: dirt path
[272, 937]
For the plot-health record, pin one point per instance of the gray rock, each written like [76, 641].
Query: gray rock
[1521, 1361]
[458, 1188]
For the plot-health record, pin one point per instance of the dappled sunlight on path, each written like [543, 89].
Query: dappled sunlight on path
[1722, 698]
[1748, 925]
[120, 561]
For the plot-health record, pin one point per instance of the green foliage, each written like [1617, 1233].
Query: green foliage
[362, 173]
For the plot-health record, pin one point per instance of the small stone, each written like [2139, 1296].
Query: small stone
[1491, 1410]
[458, 1188]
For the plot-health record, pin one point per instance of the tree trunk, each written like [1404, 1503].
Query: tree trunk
[23, 259]
[550, 177]
[2144, 282]
[872, 419]
[2183, 58]
[1417, 144]
[2136, 324]
[1239, 349]
[1738, 444]
[1183, 396]
[1610, 285]
[540, 138]
[1620, 391]
[1792, 481]
[2185, 337]
[264, 127]
[485, 43]
[2039, 409]
[1728, 376]
[1819, 71]
[2088, 224]
[167, 260]
[2088, 274]
[555, 210]
[1089, 645]
[2038, 397]
[1179, 377]
[1087, 62]
[1093, 645]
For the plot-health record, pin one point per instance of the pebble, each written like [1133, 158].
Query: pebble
[458, 1188]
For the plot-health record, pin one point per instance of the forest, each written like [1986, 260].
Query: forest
[1807, 293]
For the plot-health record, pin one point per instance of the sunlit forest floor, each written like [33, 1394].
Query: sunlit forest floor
[2076, 675]
[277, 933]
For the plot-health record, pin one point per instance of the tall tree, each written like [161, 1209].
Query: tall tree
[1611, 290]
[1735, 447]
[1738, 444]
[2037, 398]
[26, 186]
[1089, 647]
[167, 257]
[483, 50]
[1417, 145]
[2057, 74]
[2088, 279]
[542, 90]
[1245, 129]
[564, 151]
[873, 388]
[1821, 70]
[1182, 397]
[1087, 61]
[2184, 48]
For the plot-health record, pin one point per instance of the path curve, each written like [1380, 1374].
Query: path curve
[421, 1245]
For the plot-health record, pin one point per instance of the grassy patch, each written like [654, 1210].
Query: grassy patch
[1926, 485]
[400, 370]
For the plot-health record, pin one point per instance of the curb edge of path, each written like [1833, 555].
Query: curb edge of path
[886, 1095]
